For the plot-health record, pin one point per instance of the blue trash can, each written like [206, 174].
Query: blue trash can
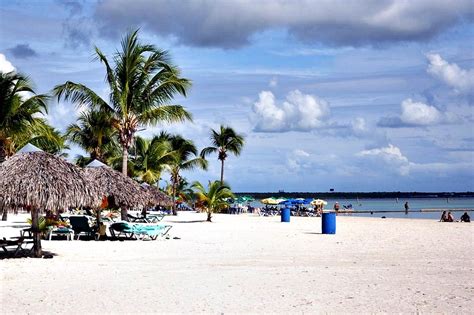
[329, 223]
[285, 215]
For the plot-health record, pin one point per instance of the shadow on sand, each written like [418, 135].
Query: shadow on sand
[193, 221]
[8, 255]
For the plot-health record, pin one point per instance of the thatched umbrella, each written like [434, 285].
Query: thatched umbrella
[126, 192]
[42, 181]
[157, 196]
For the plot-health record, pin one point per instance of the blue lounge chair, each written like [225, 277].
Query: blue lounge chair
[139, 231]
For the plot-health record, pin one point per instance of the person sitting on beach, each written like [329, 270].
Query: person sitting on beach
[465, 217]
[450, 217]
[444, 217]
[336, 207]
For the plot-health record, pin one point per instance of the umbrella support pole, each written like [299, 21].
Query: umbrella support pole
[37, 251]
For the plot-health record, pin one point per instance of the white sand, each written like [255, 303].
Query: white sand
[249, 264]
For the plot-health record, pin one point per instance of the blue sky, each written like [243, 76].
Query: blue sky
[350, 95]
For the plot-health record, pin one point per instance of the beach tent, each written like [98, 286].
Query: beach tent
[42, 181]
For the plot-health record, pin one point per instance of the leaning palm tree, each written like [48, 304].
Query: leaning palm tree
[151, 158]
[214, 198]
[225, 140]
[94, 133]
[185, 158]
[142, 82]
[18, 112]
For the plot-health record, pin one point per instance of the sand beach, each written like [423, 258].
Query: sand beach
[250, 264]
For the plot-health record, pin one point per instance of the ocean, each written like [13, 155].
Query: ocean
[415, 204]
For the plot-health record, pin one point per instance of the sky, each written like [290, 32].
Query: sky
[369, 95]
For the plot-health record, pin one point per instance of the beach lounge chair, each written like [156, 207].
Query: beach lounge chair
[61, 231]
[150, 218]
[139, 231]
[80, 226]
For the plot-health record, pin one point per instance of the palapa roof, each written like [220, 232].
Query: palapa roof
[157, 196]
[125, 191]
[44, 182]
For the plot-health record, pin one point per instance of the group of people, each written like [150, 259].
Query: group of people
[448, 217]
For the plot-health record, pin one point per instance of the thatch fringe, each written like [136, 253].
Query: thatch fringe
[157, 196]
[125, 191]
[44, 182]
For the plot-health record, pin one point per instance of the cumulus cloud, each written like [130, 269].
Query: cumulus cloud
[459, 79]
[231, 24]
[417, 114]
[5, 65]
[23, 51]
[390, 156]
[299, 112]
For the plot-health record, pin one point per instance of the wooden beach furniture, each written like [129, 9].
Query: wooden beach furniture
[19, 246]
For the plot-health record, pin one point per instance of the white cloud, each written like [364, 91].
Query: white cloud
[5, 65]
[359, 126]
[459, 79]
[417, 113]
[299, 112]
[391, 156]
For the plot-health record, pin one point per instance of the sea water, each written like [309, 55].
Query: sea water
[414, 204]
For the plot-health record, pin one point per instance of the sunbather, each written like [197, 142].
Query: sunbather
[444, 217]
[450, 217]
[465, 217]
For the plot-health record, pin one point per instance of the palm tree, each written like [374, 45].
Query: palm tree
[94, 133]
[142, 82]
[19, 121]
[215, 198]
[185, 158]
[151, 158]
[19, 112]
[224, 141]
[184, 190]
[47, 138]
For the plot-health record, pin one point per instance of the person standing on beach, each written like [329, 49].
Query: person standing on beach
[336, 207]
[406, 207]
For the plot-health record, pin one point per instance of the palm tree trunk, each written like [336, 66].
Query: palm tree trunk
[37, 253]
[174, 197]
[209, 216]
[124, 160]
[222, 171]
[4, 213]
